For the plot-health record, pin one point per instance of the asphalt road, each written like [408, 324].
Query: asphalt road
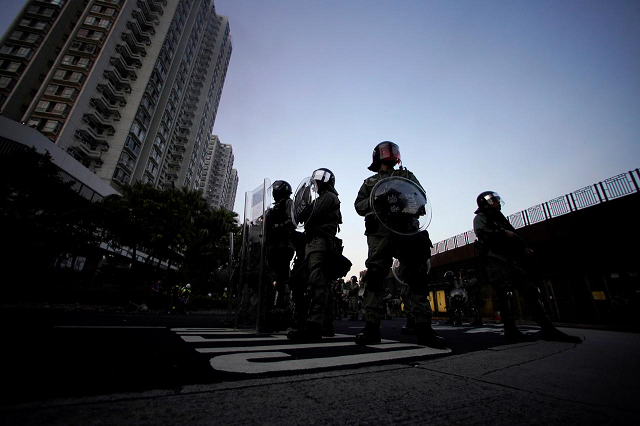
[52, 353]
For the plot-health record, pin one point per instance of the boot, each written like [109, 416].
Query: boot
[328, 330]
[409, 328]
[370, 334]
[311, 332]
[477, 321]
[553, 334]
[512, 333]
[426, 336]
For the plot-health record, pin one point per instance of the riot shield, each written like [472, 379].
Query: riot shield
[252, 256]
[304, 201]
[459, 297]
[397, 270]
[401, 205]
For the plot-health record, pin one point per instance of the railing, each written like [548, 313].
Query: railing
[601, 192]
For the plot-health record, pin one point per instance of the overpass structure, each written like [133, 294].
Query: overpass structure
[586, 244]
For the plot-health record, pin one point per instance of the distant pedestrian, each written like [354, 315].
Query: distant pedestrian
[184, 299]
[174, 298]
[510, 266]
[156, 295]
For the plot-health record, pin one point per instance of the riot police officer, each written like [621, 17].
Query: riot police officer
[449, 278]
[475, 297]
[279, 226]
[508, 261]
[354, 289]
[412, 250]
[320, 234]
[280, 250]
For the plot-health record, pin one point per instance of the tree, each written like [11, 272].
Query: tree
[41, 213]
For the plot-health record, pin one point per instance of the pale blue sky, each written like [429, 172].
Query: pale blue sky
[532, 99]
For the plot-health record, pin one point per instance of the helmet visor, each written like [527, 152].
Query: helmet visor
[321, 175]
[493, 198]
[389, 151]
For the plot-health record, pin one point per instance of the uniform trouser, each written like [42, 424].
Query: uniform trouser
[353, 306]
[318, 285]
[506, 277]
[279, 263]
[382, 249]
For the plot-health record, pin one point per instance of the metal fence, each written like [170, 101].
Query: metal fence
[609, 189]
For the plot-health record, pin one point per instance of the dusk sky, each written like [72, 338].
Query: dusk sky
[532, 99]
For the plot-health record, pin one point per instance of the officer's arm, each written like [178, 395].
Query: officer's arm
[324, 205]
[486, 233]
[362, 201]
[414, 179]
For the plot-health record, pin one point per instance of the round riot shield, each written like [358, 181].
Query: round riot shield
[397, 270]
[304, 201]
[401, 205]
[458, 297]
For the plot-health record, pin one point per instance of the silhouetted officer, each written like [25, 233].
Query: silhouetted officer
[413, 252]
[508, 261]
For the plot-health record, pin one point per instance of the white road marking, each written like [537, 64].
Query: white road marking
[242, 362]
[298, 346]
[106, 326]
[241, 359]
[253, 338]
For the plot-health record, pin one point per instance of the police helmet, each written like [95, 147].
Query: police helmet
[487, 199]
[188, 286]
[449, 276]
[387, 152]
[281, 189]
[471, 273]
[324, 175]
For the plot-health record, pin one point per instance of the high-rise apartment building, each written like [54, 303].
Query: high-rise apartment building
[130, 88]
[220, 180]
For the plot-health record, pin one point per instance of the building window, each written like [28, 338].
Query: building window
[60, 109]
[51, 126]
[132, 145]
[21, 52]
[120, 176]
[44, 106]
[6, 82]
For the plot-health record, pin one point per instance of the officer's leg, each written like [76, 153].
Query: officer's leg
[417, 278]
[318, 288]
[502, 278]
[533, 297]
[378, 264]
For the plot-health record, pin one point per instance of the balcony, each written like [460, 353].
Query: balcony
[111, 94]
[136, 47]
[130, 58]
[149, 15]
[123, 68]
[88, 137]
[105, 109]
[103, 128]
[138, 33]
[87, 151]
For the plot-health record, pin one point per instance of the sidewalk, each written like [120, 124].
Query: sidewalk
[539, 383]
